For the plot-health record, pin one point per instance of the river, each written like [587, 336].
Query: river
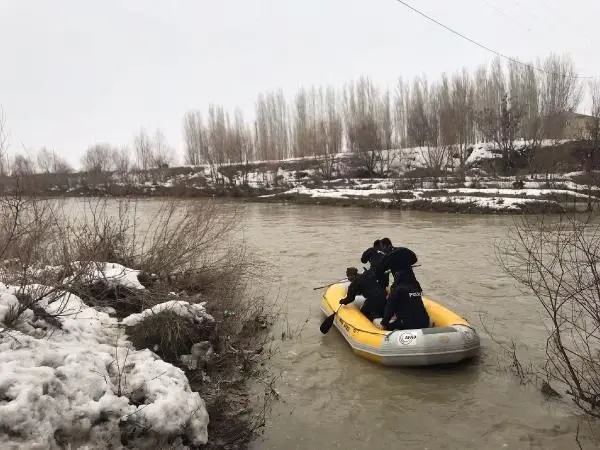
[331, 398]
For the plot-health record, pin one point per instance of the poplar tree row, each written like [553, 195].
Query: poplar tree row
[455, 110]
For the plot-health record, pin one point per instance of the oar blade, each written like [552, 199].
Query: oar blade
[327, 323]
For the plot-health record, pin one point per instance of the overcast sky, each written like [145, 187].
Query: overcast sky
[78, 72]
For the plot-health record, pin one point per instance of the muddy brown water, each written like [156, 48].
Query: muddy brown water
[331, 398]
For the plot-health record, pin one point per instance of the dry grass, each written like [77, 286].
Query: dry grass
[188, 250]
[168, 335]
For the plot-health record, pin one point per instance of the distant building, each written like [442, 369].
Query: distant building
[568, 125]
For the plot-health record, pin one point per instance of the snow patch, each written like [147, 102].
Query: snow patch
[83, 382]
[111, 273]
[496, 203]
[195, 312]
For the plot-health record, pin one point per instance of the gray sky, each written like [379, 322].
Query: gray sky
[78, 72]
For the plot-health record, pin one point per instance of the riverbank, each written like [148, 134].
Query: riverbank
[480, 196]
[157, 347]
[406, 181]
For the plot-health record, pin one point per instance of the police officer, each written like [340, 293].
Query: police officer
[366, 285]
[405, 309]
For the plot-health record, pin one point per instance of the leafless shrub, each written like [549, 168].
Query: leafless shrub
[187, 252]
[168, 334]
[37, 257]
[557, 261]
[525, 373]
[437, 159]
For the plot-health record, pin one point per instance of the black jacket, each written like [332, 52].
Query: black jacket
[366, 285]
[399, 259]
[406, 303]
[372, 256]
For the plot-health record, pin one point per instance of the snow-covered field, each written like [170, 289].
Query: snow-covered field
[497, 199]
[342, 177]
[84, 380]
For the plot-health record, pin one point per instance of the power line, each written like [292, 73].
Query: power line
[472, 41]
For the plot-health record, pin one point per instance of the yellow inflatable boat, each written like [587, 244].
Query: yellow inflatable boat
[450, 339]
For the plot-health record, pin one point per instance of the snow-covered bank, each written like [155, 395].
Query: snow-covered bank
[485, 199]
[68, 374]
[398, 178]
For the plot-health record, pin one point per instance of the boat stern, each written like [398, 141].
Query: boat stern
[430, 346]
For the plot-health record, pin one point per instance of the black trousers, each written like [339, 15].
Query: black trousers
[371, 313]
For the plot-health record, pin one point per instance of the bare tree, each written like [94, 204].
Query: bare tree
[502, 127]
[48, 161]
[490, 89]
[417, 121]
[400, 112]
[143, 150]
[463, 116]
[45, 160]
[195, 133]
[317, 122]
[218, 138]
[366, 113]
[333, 130]
[448, 133]
[162, 153]
[61, 165]
[223, 139]
[241, 144]
[561, 92]
[263, 139]
[300, 127]
[479, 98]
[557, 262]
[280, 124]
[385, 121]
[593, 126]
[592, 150]
[22, 166]
[333, 117]
[121, 160]
[3, 143]
[524, 86]
[98, 158]
[272, 129]
[243, 150]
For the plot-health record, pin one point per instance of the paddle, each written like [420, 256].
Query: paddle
[330, 284]
[328, 322]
